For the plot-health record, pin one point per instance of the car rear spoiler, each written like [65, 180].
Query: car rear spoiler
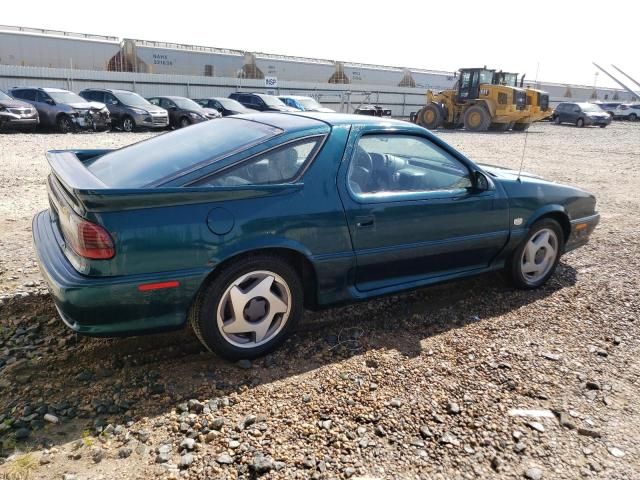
[89, 193]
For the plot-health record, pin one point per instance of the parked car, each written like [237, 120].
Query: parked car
[373, 111]
[262, 102]
[628, 111]
[226, 106]
[129, 111]
[16, 114]
[280, 212]
[609, 107]
[183, 111]
[64, 110]
[306, 104]
[581, 114]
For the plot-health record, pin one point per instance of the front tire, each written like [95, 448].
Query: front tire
[127, 124]
[184, 122]
[249, 308]
[580, 123]
[431, 116]
[521, 127]
[537, 257]
[556, 120]
[65, 124]
[633, 117]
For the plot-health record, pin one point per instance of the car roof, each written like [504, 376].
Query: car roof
[111, 90]
[301, 120]
[295, 97]
[44, 89]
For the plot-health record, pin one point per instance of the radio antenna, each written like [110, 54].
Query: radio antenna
[526, 133]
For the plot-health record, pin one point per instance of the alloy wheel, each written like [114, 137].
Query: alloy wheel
[539, 255]
[254, 309]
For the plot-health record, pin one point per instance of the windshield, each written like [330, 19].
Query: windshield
[272, 101]
[309, 103]
[186, 103]
[590, 107]
[153, 160]
[231, 104]
[486, 76]
[132, 99]
[4, 96]
[66, 97]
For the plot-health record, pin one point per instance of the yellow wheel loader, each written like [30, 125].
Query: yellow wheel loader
[537, 107]
[474, 102]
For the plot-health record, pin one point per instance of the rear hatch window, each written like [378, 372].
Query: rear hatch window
[162, 157]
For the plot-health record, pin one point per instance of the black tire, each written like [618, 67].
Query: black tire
[556, 120]
[602, 126]
[430, 116]
[633, 117]
[203, 312]
[184, 122]
[515, 265]
[521, 127]
[580, 123]
[64, 124]
[499, 127]
[476, 119]
[127, 124]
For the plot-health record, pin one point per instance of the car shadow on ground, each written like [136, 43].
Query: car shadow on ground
[89, 383]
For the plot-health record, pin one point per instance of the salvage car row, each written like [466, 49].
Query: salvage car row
[102, 109]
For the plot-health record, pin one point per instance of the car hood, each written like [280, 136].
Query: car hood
[508, 173]
[323, 109]
[86, 105]
[14, 104]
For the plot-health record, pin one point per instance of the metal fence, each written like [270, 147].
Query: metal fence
[345, 98]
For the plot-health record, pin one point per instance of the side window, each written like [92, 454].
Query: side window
[110, 99]
[42, 97]
[154, 101]
[27, 95]
[280, 165]
[385, 164]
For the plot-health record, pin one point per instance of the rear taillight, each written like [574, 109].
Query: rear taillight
[86, 238]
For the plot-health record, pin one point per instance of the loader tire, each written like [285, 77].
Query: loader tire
[521, 127]
[430, 116]
[477, 119]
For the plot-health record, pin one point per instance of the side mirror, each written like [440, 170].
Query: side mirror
[49, 101]
[480, 182]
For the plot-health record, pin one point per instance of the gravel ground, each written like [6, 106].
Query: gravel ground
[466, 380]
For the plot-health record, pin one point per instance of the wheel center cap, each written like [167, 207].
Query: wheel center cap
[255, 309]
[540, 254]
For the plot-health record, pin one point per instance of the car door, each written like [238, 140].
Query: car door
[116, 109]
[412, 211]
[46, 108]
[172, 108]
[573, 112]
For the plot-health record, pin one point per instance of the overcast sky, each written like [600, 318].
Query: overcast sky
[562, 38]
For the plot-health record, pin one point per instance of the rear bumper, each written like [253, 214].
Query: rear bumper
[111, 306]
[581, 230]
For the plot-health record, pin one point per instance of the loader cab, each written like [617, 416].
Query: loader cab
[470, 81]
[505, 78]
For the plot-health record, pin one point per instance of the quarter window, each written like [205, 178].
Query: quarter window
[280, 165]
[387, 164]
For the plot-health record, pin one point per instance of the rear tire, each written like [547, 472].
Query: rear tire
[64, 124]
[232, 313]
[476, 119]
[537, 256]
[499, 127]
[430, 116]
